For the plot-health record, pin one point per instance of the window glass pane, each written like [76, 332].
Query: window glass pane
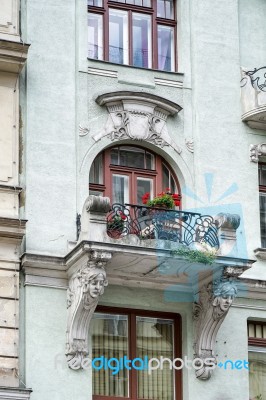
[166, 48]
[133, 157]
[97, 3]
[149, 161]
[142, 40]
[95, 36]
[115, 156]
[146, 3]
[262, 175]
[263, 219]
[109, 339]
[160, 9]
[144, 185]
[166, 177]
[257, 375]
[120, 189]
[169, 12]
[118, 36]
[96, 171]
[95, 193]
[155, 339]
[165, 9]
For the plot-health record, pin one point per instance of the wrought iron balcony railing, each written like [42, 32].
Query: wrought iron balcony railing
[157, 223]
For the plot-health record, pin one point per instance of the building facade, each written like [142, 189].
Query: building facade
[13, 55]
[121, 101]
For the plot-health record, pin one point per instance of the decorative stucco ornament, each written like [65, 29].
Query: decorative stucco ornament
[85, 287]
[209, 314]
[256, 151]
[137, 116]
[84, 129]
[190, 145]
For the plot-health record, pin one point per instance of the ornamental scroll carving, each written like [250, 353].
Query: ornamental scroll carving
[209, 314]
[85, 287]
[138, 116]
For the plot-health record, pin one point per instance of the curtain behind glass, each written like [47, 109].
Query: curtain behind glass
[109, 339]
[257, 376]
[155, 339]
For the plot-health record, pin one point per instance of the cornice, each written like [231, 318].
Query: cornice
[7, 393]
[13, 55]
[13, 228]
[167, 105]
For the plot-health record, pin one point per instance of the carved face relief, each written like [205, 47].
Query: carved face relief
[225, 302]
[96, 286]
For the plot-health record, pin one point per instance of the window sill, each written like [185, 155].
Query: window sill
[176, 77]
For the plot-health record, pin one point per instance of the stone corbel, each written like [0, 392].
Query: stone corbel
[85, 287]
[227, 225]
[256, 151]
[209, 314]
[93, 219]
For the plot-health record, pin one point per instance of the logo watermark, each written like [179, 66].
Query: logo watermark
[151, 364]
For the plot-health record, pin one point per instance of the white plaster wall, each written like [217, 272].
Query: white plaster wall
[50, 134]
[46, 370]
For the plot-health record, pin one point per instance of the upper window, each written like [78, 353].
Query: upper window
[126, 173]
[262, 189]
[133, 32]
[120, 334]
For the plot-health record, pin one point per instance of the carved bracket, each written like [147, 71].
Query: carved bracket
[209, 314]
[138, 116]
[256, 151]
[85, 287]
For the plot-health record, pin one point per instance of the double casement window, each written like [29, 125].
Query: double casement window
[257, 360]
[133, 32]
[126, 173]
[131, 335]
[262, 190]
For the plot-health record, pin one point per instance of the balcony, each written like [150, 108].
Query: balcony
[149, 224]
[253, 95]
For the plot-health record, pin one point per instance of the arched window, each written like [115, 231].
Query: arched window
[126, 173]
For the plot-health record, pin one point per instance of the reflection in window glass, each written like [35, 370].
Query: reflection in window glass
[165, 48]
[120, 189]
[144, 185]
[132, 157]
[142, 40]
[263, 219]
[97, 3]
[110, 339]
[165, 9]
[118, 36]
[96, 171]
[262, 175]
[95, 36]
[155, 339]
[168, 180]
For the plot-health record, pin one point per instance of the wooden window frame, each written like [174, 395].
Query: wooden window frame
[132, 314]
[108, 169]
[155, 21]
[253, 341]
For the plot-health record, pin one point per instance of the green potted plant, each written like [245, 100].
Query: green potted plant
[115, 225]
[164, 199]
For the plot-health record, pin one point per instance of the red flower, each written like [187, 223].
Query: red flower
[175, 196]
[145, 198]
[123, 217]
[177, 202]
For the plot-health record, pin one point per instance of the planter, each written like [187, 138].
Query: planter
[115, 234]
